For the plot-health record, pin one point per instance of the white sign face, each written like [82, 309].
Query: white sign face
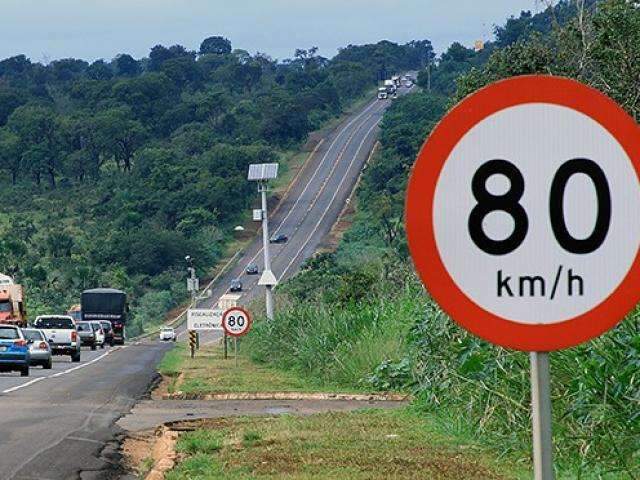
[522, 213]
[204, 319]
[236, 321]
[531, 214]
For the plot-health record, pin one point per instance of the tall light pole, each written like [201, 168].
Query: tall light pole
[262, 173]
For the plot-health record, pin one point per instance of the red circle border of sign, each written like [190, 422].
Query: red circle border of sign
[246, 314]
[419, 212]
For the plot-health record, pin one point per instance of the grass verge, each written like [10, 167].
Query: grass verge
[366, 444]
[209, 372]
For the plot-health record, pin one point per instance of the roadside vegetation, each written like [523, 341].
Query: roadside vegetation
[360, 445]
[113, 171]
[209, 372]
[358, 316]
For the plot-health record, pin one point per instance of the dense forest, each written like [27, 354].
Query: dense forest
[362, 319]
[113, 171]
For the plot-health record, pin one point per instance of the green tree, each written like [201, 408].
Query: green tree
[217, 45]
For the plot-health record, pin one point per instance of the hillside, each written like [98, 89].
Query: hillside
[114, 171]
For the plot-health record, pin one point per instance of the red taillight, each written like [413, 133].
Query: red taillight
[20, 343]
[74, 336]
[42, 346]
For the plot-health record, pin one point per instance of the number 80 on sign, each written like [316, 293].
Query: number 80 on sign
[236, 322]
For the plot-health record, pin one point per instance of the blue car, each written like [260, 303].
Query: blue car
[14, 350]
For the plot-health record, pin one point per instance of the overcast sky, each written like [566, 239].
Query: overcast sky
[90, 29]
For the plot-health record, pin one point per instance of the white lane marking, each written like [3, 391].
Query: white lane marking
[291, 210]
[30, 382]
[89, 440]
[324, 214]
[64, 372]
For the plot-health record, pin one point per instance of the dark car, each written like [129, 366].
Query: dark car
[87, 334]
[107, 328]
[280, 238]
[253, 269]
[236, 286]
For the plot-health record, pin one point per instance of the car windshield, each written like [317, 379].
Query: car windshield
[34, 335]
[106, 325]
[84, 327]
[54, 322]
[167, 330]
[9, 333]
[5, 306]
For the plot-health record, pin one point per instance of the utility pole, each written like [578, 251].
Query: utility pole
[262, 173]
[262, 186]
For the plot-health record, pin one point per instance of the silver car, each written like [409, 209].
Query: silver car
[39, 348]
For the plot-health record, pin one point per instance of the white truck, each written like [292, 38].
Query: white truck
[390, 86]
[382, 93]
[61, 334]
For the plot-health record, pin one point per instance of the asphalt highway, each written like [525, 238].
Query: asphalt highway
[310, 208]
[60, 423]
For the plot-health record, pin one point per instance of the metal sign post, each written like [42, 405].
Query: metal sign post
[235, 350]
[236, 322]
[541, 416]
[521, 219]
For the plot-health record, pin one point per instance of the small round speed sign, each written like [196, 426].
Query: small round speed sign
[523, 213]
[236, 321]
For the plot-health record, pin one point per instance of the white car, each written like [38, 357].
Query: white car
[100, 336]
[167, 334]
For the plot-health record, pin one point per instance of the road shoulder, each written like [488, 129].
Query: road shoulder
[211, 419]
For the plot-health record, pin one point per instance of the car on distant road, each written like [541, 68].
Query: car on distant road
[167, 334]
[252, 269]
[39, 348]
[87, 334]
[100, 336]
[61, 334]
[14, 350]
[235, 286]
[280, 238]
[107, 327]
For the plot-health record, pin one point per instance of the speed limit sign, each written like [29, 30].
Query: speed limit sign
[236, 321]
[523, 213]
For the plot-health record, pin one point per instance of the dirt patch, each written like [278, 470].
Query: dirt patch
[167, 385]
[151, 454]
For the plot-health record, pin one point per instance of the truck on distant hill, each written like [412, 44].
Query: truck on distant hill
[390, 86]
[13, 309]
[106, 304]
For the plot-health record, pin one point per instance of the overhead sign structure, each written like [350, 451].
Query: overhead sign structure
[204, 319]
[236, 321]
[522, 213]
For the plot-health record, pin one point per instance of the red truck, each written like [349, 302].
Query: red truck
[13, 310]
